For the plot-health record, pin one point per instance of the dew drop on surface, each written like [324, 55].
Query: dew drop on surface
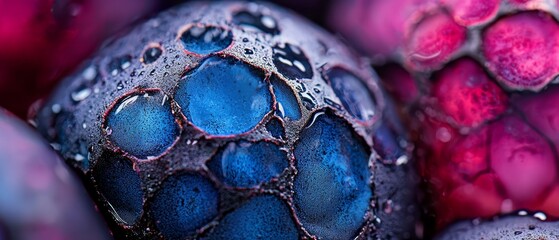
[183, 204]
[541, 216]
[56, 108]
[256, 21]
[142, 124]
[152, 54]
[81, 94]
[262, 217]
[235, 98]
[118, 64]
[248, 51]
[331, 191]
[291, 62]
[206, 39]
[353, 93]
[89, 73]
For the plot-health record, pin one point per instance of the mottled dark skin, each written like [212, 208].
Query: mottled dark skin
[283, 47]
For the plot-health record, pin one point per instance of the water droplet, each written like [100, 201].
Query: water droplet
[56, 108]
[248, 51]
[119, 85]
[89, 73]
[206, 39]
[80, 94]
[118, 64]
[522, 213]
[256, 21]
[152, 54]
[291, 62]
[541, 216]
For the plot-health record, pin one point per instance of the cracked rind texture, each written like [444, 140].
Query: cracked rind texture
[282, 69]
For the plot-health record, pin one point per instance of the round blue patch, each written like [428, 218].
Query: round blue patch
[142, 124]
[184, 203]
[121, 186]
[263, 217]
[247, 164]
[224, 96]
[331, 187]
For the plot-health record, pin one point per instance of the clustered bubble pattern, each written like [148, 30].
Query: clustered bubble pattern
[215, 125]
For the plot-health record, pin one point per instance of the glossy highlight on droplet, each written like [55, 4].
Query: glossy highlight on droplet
[258, 21]
[291, 62]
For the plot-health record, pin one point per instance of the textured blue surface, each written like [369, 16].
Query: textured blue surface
[263, 217]
[247, 164]
[185, 203]
[121, 186]
[287, 103]
[275, 128]
[331, 191]
[142, 124]
[205, 40]
[224, 96]
[353, 93]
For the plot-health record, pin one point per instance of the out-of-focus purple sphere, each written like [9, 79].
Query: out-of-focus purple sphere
[40, 198]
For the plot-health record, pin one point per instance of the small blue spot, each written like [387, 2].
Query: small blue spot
[184, 204]
[287, 103]
[263, 217]
[143, 124]
[121, 186]
[275, 128]
[247, 164]
[206, 39]
[331, 188]
[353, 93]
[224, 96]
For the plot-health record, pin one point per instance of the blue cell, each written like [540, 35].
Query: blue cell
[275, 128]
[184, 203]
[121, 187]
[206, 39]
[142, 124]
[224, 96]
[331, 188]
[287, 103]
[353, 93]
[245, 164]
[263, 217]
